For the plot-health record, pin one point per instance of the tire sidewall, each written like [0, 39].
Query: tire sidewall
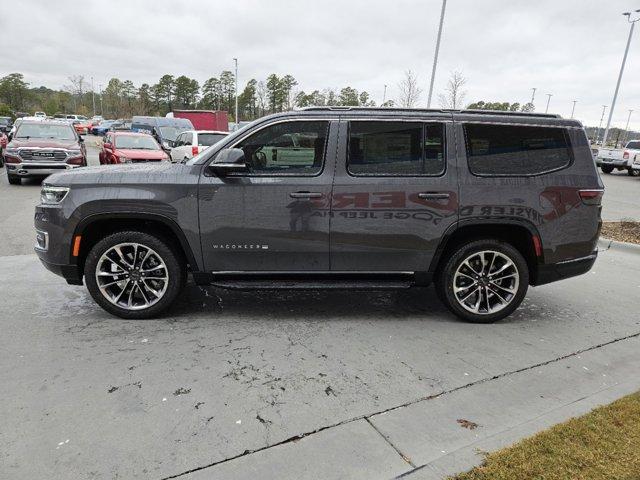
[445, 281]
[175, 269]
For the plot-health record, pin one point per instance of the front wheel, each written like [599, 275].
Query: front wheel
[632, 173]
[134, 274]
[483, 281]
[606, 168]
[14, 179]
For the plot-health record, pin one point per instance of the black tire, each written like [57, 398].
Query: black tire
[606, 168]
[175, 267]
[631, 172]
[14, 179]
[445, 279]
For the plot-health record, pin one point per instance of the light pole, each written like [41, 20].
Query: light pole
[93, 97]
[435, 57]
[236, 116]
[549, 95]
[626, 128]
[624, 60]
[533, 95]
[573, 110]
[384, 95]
[604, 108]
[101, 110]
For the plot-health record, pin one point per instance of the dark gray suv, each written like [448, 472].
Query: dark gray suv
[483, 204]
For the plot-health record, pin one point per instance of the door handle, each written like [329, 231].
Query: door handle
[433, 196]
[305, 195]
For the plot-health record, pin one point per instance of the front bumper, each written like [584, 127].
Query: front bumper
[37, 169]
[71, 273]
[567, 269]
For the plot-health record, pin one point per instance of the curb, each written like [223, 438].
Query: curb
[605, 244]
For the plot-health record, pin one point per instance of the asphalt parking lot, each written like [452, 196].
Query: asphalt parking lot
[297, 385]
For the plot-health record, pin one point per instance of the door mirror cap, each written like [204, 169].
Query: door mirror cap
[230, 160]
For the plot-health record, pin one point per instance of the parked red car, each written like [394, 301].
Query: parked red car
[130, 147]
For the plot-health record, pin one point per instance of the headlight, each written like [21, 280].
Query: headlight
[165, 144]
[50, 195]
[74, 153]
[11, 151]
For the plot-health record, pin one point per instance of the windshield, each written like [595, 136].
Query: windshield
[45, 130]
[135, 142]
[634, 145]
[208, 139]
[171, 133]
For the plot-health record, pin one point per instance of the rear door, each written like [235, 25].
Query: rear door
[395, 193]
[275, 217]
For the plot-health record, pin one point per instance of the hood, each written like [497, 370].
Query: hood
[138, 154]
[121, 174]
[43, 143]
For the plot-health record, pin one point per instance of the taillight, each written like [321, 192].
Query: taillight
[76, 161]
[194, 150]
[625, 155]
[591, 197]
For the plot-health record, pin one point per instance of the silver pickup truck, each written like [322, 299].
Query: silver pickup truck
[609, 159]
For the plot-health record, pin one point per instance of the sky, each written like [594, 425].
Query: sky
[571, 49]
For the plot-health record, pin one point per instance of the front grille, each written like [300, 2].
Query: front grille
[42, 155]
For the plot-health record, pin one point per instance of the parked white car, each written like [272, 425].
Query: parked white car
[609, 159]
[190, 143]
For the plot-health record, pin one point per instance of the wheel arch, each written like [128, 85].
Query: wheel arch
[94, 227]
[522, 234]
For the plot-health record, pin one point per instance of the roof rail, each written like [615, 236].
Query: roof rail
[439, 110]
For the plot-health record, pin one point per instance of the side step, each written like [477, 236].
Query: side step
[311, 284]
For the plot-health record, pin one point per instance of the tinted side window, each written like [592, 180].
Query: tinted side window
[515, 150]
[396, 148]
[302, 153]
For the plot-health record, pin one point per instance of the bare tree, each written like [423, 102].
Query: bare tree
[76, 88]
[409, 90]
[454, 95]
[261, 96]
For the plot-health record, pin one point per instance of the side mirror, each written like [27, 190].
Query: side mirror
[107, 146]
[230, 160]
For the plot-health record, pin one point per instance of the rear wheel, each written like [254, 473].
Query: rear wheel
[134, 274]
[607, 168]
[14, 179]
[483, 281]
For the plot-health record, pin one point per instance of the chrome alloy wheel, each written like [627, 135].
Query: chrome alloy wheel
[132, 276]
[486, 282]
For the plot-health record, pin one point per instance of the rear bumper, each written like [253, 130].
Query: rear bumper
[613, 163]
[559, 271]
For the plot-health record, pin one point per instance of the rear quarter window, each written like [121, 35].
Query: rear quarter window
[514, 150]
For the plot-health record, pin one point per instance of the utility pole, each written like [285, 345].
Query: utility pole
[93, 97]
[435, 57]
[624, 60]
[573, 110]
[533, 95]
[549, 95]
[236, 116]
[384, 95]
[604, 108]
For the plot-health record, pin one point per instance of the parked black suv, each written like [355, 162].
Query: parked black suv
[483, 204]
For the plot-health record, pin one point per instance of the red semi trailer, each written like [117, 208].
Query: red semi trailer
[205, 119]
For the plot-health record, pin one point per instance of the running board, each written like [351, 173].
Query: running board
[311, 284]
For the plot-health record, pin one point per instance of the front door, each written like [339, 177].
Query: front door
[395, 193]
[275, 217]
